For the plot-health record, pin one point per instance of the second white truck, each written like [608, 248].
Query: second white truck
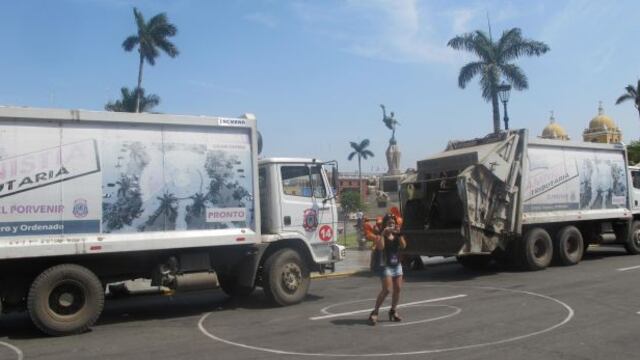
[91, 198]
[527, 201]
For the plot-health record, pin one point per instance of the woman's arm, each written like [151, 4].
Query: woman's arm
[403, 242]
[379, 242]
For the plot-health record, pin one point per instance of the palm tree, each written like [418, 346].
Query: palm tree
[168, 210]
[151, 36]
[129, 100]
[494, 62]
[195, 217]
[633, 94]
[361, 151]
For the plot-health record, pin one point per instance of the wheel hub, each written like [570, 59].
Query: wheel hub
[636, 238]
[291, 277]
[67, 299]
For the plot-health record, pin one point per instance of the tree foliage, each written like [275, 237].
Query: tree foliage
[495, 62]
[360, 150]
[151, 38]
[350, 201]
[633, 152]
[632, 94]
[128, 98]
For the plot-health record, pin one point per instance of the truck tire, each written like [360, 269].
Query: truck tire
[536, 249]
[65, 299]
[632, 243]
[229, 285]
[474, 262]
[286, 278]
[568, 246]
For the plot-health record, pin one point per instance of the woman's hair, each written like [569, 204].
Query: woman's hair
[386, 219]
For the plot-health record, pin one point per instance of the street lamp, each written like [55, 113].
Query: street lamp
[503, 93]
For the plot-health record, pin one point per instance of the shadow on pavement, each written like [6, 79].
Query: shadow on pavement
[149, 307]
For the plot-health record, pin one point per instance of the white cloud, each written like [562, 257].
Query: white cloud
[392, 30]
[461, 19]
[262, 19]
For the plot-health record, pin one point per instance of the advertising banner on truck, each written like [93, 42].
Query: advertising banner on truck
[75, 179]
[575, 179]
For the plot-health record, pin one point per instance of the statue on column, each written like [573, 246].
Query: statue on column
[393, 151]
[391, 123]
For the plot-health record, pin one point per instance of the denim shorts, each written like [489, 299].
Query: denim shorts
[393, 271]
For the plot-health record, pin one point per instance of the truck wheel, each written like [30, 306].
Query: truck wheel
[568, 246]
[474, 262]
[286, 278]
[632, 243]
[65, 299]
[229, 285]
[537, 249]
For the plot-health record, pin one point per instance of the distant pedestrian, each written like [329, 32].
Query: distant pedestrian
[386, 256]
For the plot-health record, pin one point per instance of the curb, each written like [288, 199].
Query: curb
[339, 274]
[366, 271]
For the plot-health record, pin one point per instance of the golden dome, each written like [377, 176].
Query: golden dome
[602, 121]
[554, 130]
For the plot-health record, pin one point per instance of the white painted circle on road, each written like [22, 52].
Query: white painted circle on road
[569, 311]
[13, 348]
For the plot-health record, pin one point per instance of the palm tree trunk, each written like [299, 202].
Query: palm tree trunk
[360, 180]
[137, 90]
[496, 111]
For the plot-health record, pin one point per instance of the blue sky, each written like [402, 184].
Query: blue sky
[315, 72]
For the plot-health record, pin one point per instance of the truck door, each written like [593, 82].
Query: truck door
[635, 179]
[302, 208]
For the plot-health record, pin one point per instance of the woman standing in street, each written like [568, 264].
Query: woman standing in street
[387, 253]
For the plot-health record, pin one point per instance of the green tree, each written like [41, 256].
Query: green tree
[350, 202]
[633, 94]
[129, 99]
[360, 150]
[151, 37]
[494, 62]
[633, 152]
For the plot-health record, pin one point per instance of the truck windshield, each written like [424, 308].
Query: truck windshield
[301, 180]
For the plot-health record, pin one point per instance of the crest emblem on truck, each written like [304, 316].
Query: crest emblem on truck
[80, 208]
[310, 222]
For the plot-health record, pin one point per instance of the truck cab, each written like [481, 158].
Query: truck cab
[297, 202]
[635, 188]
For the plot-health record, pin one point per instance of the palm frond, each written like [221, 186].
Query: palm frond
[468, 72]
[352, 155]
[168, 47]
[631, 90]
[624, 98]
[515, 76]
[518, 46]
[129, 43]
[367, 153]
[140, 23]
[364, 143]
[463, 42]
[355, 146]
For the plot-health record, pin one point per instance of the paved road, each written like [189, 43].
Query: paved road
[589, 311]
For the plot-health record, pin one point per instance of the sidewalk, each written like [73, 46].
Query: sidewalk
[357, 261]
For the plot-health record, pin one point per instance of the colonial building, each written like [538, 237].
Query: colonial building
[554, 130]
[602, 129]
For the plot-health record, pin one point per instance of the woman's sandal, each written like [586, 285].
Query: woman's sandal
[373, 318]
[393, 316]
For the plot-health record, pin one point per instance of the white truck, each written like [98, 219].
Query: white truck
[527, 201]
[91, 198]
